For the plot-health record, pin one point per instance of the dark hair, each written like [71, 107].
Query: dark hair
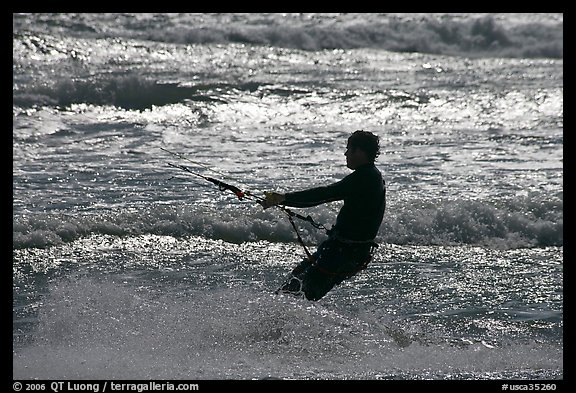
[366, 141]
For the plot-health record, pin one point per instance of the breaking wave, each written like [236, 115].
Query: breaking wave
[450, 34]
[524, 223]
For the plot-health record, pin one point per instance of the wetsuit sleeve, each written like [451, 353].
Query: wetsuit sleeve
[319, 195]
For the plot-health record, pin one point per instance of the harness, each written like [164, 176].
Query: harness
[335, 238]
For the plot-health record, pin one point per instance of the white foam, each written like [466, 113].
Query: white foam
[103, 329]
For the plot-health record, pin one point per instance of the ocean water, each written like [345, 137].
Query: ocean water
[127, 268]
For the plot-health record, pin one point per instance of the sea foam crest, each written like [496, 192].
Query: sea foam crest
[522, 223]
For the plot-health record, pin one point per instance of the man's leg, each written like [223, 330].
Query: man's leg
[293, 283]
[334, 263]
[316, 282]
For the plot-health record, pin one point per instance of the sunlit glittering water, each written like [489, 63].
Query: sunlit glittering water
[123, 271]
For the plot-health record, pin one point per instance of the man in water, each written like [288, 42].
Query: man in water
[350, 243]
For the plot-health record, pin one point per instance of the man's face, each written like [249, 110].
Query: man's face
[354, 157]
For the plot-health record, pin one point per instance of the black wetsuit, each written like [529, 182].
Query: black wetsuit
[351, 240]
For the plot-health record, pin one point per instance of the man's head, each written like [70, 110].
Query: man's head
[363, 147]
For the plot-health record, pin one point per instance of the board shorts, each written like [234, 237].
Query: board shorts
[333, 262]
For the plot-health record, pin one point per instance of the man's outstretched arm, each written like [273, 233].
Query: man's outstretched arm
[308, 198]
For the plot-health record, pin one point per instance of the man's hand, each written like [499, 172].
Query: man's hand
[272, 199]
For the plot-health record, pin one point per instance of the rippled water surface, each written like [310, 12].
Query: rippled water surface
[125, 267]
